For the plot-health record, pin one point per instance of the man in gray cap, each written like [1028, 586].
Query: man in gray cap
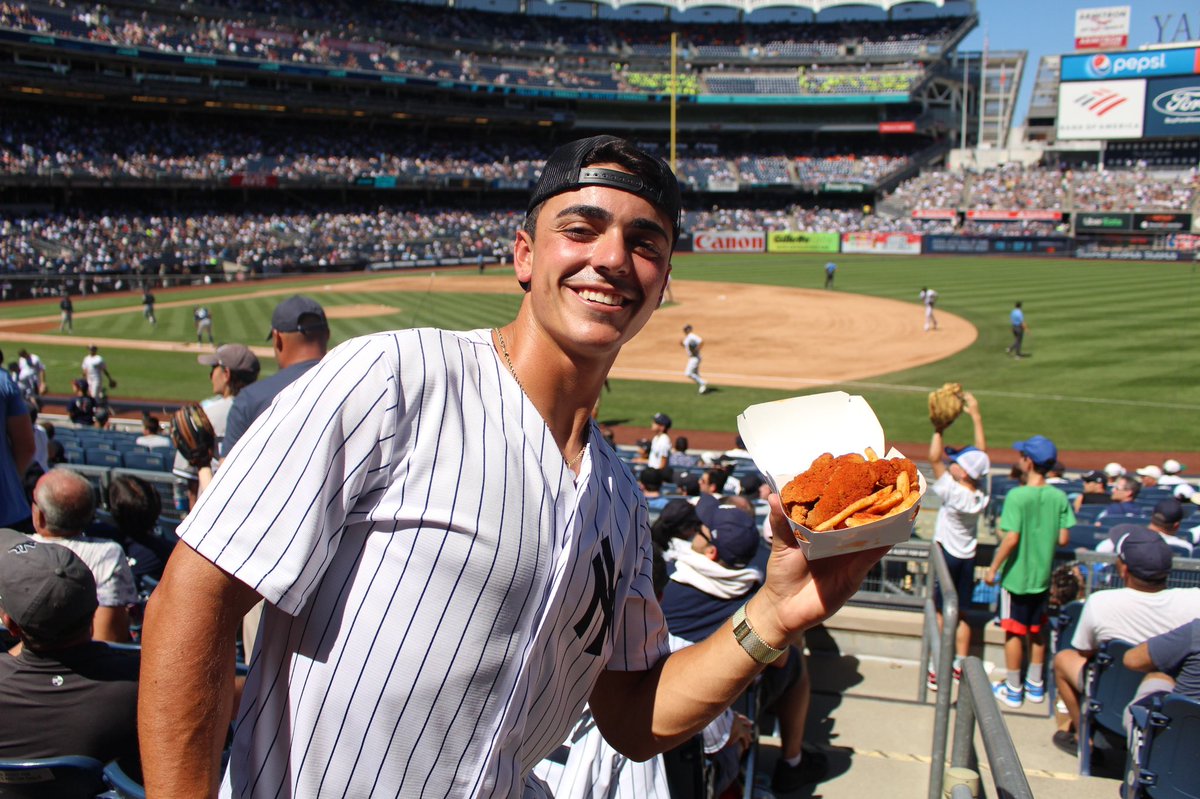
[300, 336]
[1145, 607]
[63, 693]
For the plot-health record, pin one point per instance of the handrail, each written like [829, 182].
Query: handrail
[976, 704]
[945, 662]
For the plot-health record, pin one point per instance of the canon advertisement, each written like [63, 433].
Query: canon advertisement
[729, 241]
[1173, 107]
[1101, 109]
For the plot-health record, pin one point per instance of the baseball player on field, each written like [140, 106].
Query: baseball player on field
[692, 344]
[453, 560]
[929, 298]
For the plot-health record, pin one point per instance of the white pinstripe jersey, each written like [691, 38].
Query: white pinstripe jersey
[442, 593]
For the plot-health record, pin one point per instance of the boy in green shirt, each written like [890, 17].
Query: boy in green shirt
[1033, 525]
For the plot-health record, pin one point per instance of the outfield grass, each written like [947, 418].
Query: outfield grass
[1114, 361]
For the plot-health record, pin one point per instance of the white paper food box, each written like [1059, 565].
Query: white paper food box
[786, 436]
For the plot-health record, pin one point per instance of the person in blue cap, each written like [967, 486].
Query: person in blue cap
[1033, 524]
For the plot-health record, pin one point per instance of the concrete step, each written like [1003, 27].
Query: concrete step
[878, 738]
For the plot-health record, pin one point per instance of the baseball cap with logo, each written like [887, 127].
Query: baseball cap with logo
[569, 168]
[234, 357]
[1038, 449]
[1094, 476]
[45, 588]
[1150, 471]
[1145, 553]
[974, 462]
[287, 317]
[663, 419]
[732, 531]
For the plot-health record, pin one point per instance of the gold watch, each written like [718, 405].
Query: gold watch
[755, 647]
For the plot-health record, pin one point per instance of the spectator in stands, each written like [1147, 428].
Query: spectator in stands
[135, 506]
[1167, 516]
[63, 505]
[1171, 476]
[1122, 499]
[680, 457]
[1144, 608]
[651, 481]
[152, 435]
[1173, 662]
[1094, 490]
[82, 408]
[675, 528]
[711, 580]
[63, 693]
[959, 487]
[300, 337]
[41, 446]
[103, 415]
[712, 481]
[660, 441]
[17, 448]
[54, 448]
[1034, 523]
[1113, 470]
[1058, 474]
[1150, 475]
[232, 368]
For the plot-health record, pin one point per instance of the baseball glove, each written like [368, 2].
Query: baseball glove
[192, 433]
[945, 404]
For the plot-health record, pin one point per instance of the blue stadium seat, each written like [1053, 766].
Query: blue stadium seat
[1109, 688]
[95, 456]
[58, 777]
[142, 459]
[123, 786]
[73, 453]
[1164, 759]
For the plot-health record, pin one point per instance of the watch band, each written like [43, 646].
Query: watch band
[755, 647]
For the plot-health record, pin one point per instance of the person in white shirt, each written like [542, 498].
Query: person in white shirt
[958, 486]
[31, 373]
[1165, 520]
[152, 435]
[929, 298]
[1171, 469]
[660, 443]
[95, 370]
[692, 344]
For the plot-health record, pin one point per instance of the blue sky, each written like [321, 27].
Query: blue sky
[1047, 27]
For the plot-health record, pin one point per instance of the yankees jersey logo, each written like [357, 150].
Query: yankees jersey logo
[603, 598]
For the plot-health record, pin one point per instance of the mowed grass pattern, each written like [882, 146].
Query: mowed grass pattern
[1114, 359]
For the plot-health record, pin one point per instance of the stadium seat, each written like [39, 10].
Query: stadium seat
[73, 453]
[96, 456]
[57, 777]
[1109, 687]
[1163, 755]
[121, 784]
[150, 461]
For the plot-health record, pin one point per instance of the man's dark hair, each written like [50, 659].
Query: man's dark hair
[717, 477]
[651, 478]
[1127, 483]
[681, 443]
[135, 505]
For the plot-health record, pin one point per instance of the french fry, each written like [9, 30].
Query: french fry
[902, 482]
[887, 503]
[850, 510]
[859, 519]
[908, 502]
[870, 454]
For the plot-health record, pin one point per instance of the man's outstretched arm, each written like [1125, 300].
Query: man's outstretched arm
[185, 701]
[643, 713]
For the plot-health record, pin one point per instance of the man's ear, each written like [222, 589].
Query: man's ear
[523, 257]
[710, 552]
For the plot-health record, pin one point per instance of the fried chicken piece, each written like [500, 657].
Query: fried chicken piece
[851, 480]
[806, 488]
[886, 472]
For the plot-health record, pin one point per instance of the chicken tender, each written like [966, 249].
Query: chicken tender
[806, 488]
[850, 481]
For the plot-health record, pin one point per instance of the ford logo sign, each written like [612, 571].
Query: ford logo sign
[1184, 101]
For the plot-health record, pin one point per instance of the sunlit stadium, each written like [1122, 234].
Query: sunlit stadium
[959, 234]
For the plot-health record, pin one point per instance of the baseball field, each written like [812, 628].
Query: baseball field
[1113, 349]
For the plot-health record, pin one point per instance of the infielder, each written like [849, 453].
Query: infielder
[453, 561]
[203, 319]
[692, 344]
[929, 297]
[148, 307]
[95, 370]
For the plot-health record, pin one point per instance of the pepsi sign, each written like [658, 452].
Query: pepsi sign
[1144, 64]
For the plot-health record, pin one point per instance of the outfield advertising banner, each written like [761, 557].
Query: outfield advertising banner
[1162, 223]
[882, 243]
[1173, 107]
[1102, 222]
[729, 241]
[1142, 64]
[1036, 215]
[1101, 110]
[1133, 255]
[997, 245]
[1102, 28]
[790, 241]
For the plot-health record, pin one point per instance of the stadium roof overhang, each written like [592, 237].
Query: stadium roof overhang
[815, 6]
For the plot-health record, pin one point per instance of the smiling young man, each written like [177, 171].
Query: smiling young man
[456, 562]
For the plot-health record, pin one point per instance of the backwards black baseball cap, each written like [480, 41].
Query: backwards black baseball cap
[569, 168]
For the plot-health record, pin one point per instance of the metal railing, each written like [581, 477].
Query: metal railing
[942, 645]
[977, 707]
